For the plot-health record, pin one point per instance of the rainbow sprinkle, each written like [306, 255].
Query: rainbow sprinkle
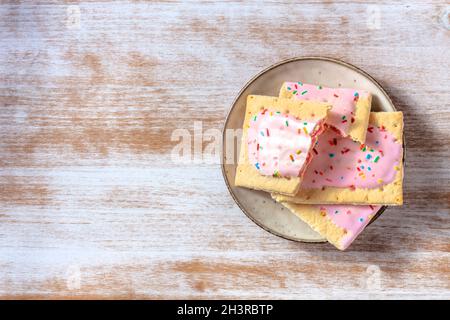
[304, 92]
[376, 159]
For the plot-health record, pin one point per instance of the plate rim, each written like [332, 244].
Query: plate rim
[233, 104]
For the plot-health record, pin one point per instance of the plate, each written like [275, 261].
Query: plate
[258, 205]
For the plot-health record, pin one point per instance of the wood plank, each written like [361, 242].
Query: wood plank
[91, 204]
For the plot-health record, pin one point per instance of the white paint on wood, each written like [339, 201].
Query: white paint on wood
[92, 206]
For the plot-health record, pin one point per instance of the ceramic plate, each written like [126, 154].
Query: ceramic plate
[257, 205]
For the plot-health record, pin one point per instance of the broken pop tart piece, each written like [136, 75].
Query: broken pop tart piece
[278, 135]
[344, 171]
[339, 224]
[350, 107]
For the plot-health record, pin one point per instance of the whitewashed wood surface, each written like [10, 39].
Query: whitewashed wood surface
[91, 205]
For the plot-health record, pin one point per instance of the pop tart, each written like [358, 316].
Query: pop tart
[350, 110]
[339, 224]
[347, 172]
[278, 136]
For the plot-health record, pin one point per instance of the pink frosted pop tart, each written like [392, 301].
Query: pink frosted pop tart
[278, 135]
[344, 171]
[339, 224]
[350, 107]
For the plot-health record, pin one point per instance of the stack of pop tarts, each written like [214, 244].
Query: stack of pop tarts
[322, 154]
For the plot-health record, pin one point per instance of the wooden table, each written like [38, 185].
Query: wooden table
[92, 205]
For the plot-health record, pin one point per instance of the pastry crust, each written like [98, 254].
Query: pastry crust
[358, 129]
[246, 174]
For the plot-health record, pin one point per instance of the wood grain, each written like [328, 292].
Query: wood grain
[93, 207]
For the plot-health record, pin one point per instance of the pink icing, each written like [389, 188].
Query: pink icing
[341, 162]
[279, 144]
[343, 101]
[351, 218]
